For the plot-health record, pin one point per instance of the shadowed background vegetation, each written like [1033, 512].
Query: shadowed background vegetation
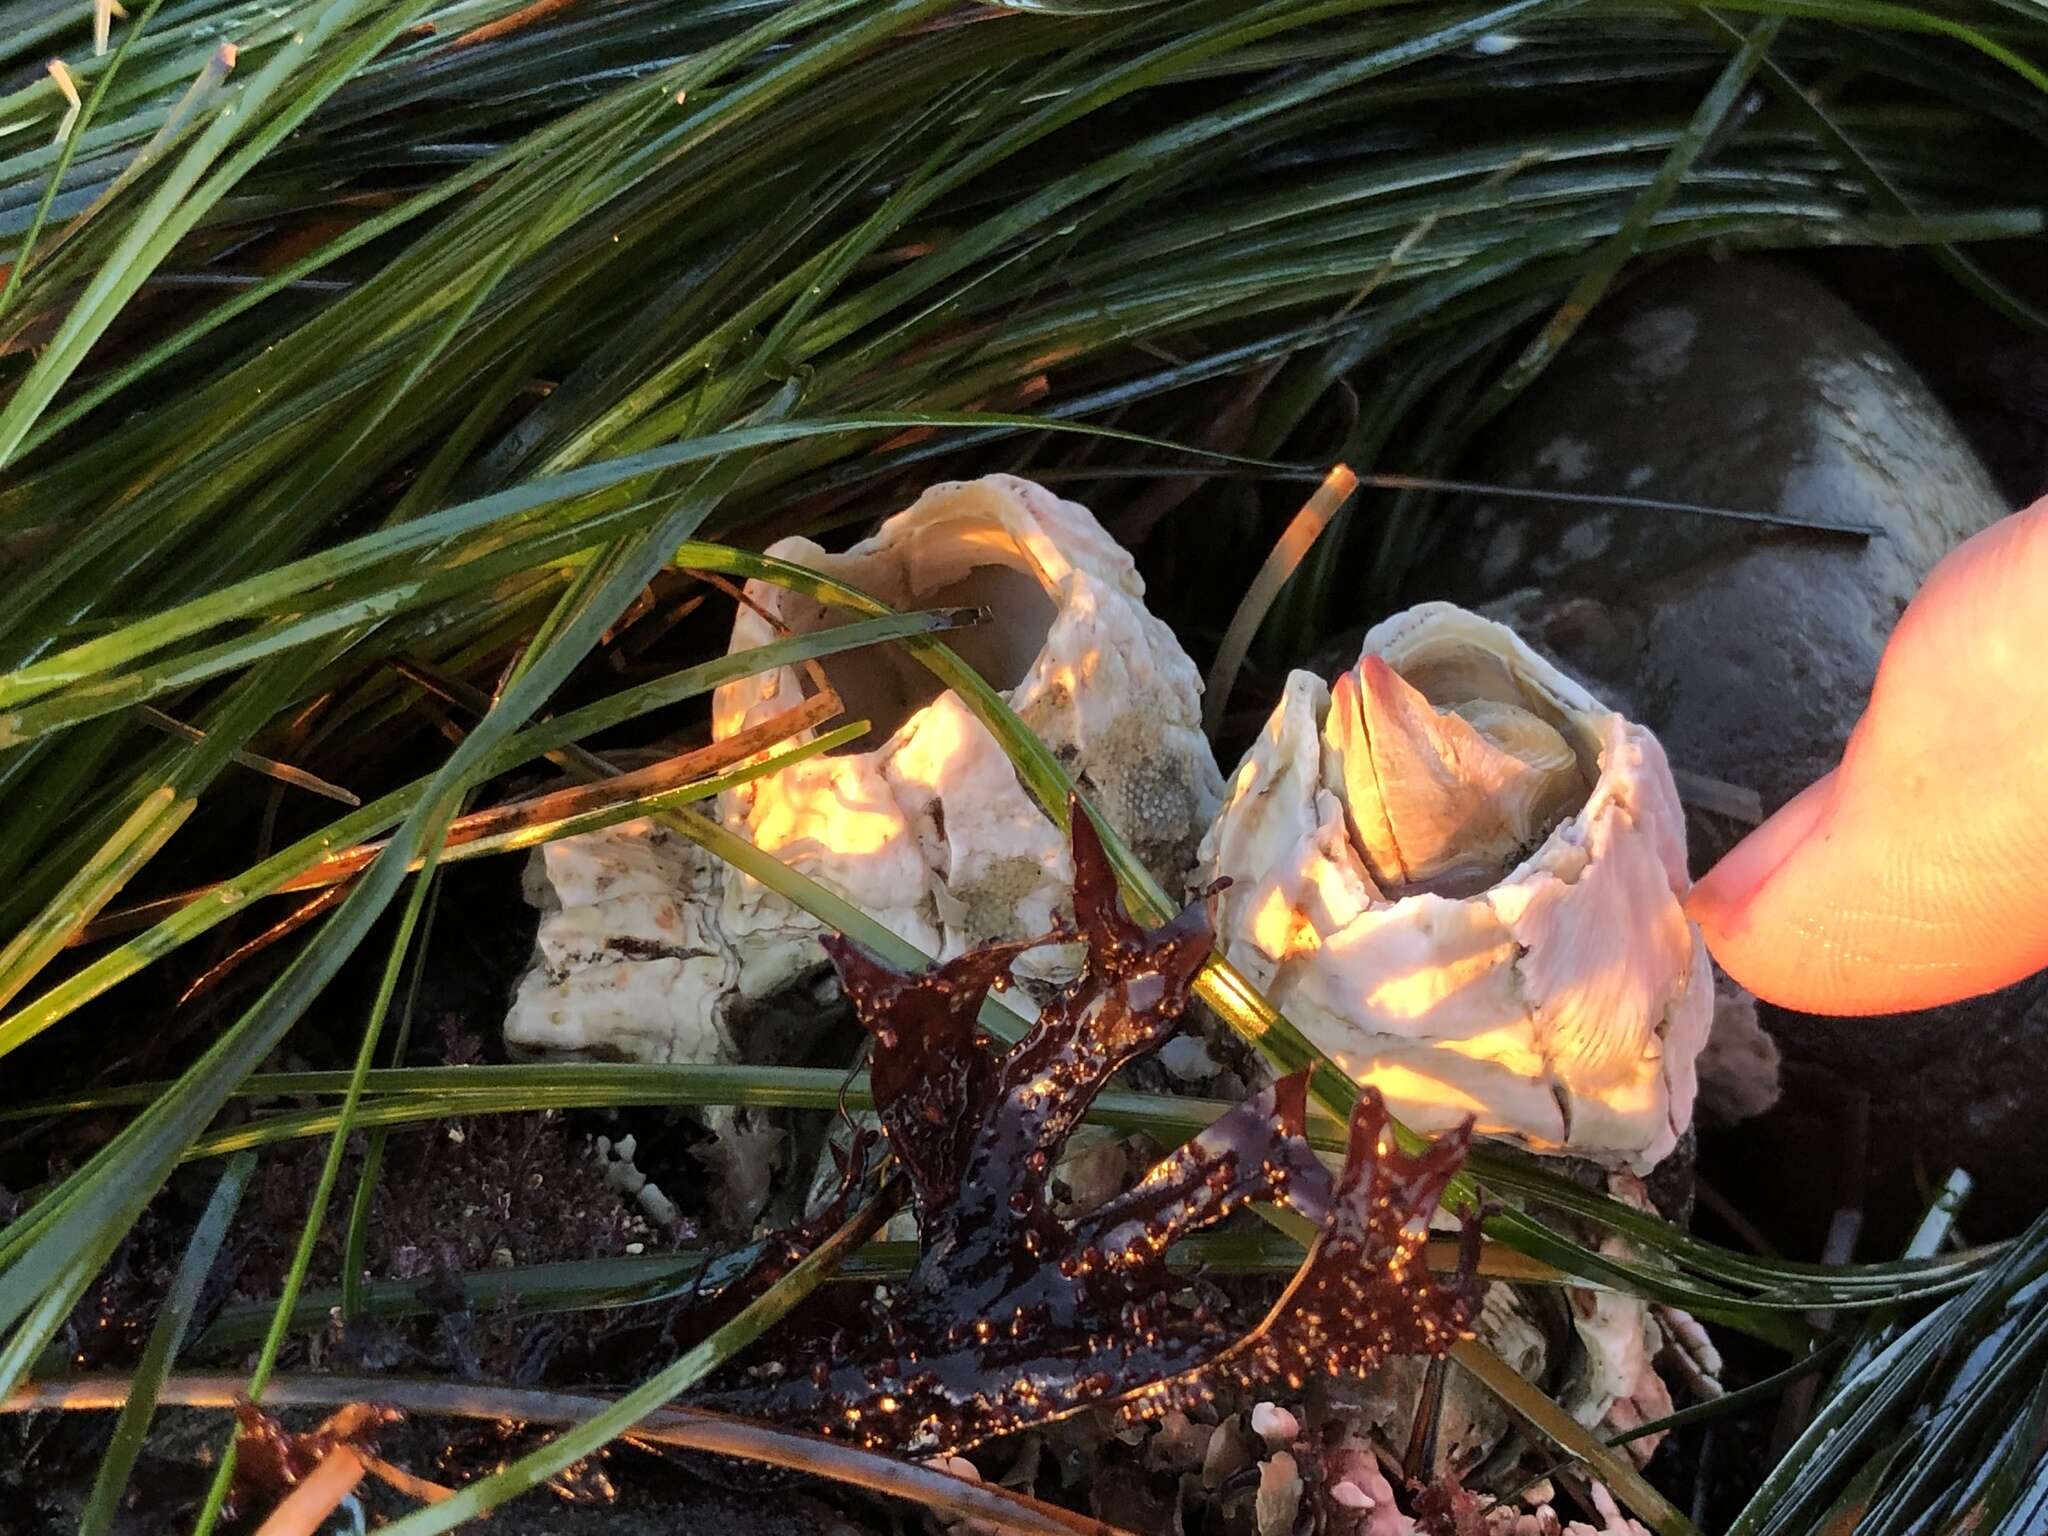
[342, 335]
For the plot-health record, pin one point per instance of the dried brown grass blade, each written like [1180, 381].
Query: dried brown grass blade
[1287, 552]
[269, 767]
[531, 814]
[241, 954]
[680, 1428]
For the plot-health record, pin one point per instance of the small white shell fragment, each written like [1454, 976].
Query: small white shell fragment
[1351, 1496]
[656, 1206]
[650, 949]
[1275, 1425]
[1278, 1499]
[1612, 1521]
[1420, 885]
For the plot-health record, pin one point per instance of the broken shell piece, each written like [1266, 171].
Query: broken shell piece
[1618, 1385]
[1279, 1496]
[628, 965]
[1739, 1069]
[624, 1175]
[1461, 876]
[929, 829]
[1275, 1425]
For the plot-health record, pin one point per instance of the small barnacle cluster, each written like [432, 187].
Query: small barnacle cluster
[1013, 1315]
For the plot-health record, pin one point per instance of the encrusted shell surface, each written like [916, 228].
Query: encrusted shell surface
[1563, 1001]
[653, 944]
[627, 964]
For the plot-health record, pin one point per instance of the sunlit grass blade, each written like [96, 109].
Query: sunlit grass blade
[188, 921]
[1287, 553]
[134, 843]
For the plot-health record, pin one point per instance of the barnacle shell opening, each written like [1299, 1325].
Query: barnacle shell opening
[966, 558]
[1461, 875]
[929, 828]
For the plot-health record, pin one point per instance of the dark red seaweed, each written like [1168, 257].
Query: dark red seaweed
[1014, 1316]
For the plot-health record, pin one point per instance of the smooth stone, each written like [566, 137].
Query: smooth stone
[1750, 650]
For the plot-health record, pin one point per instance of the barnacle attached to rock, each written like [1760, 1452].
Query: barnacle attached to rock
[653, 951]
[1461, 876]
[930, 829]
[1013, 1315]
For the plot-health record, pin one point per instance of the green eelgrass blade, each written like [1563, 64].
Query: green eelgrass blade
[1606, 264]
[192, 920]
[262, 596]
[1871, 1396]
[1907, 18]
[162, 806]
[65, 151]
[356, 1243]
[46, 1313]
[165, 1339]
[134, 844]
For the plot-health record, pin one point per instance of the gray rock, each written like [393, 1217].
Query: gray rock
[1750, 650]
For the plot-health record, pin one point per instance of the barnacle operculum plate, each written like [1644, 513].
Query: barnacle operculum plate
[652, 943]
[1462, 876]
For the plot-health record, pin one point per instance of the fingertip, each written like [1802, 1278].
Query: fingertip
[1720, 903]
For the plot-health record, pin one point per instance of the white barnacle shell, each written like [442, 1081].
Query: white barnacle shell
[653, 948]
[1462, 876]
[929, 829]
